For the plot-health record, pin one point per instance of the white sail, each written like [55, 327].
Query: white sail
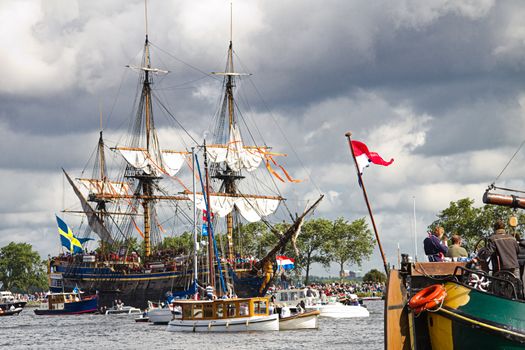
[235, 154]
[172, 162]
[252, 209]
[137, 158]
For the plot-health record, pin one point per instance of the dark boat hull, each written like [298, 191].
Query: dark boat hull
[85, 306]
[471, 319]
[468, 319]
[139, 288]
[7, 308]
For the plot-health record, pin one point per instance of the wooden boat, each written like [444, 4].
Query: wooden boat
[68, 304]
[304, 320]
[488, 315]
[9, 305]
[225, 315]
[447, 305]
[133, 200]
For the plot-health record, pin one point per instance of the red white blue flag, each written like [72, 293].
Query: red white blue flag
[284, 262]
[364, 157]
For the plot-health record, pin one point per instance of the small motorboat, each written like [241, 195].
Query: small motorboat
[123, 310]
[300, 320]
[164, 315]
[9, 305]
[338, 310]
[68, 304]
[143, 318]
[224, 315]
[327, 306]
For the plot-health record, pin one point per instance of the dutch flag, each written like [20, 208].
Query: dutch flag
[284, 262]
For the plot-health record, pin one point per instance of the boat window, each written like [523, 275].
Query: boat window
[302, 295]
[231, 310]
[293, 296]
[284, 296]
[197, 311]
[186, 311]
[219, 310]
[244, 309]
[208, 310]
[260, 307]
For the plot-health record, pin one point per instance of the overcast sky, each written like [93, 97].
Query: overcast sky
[438, 85]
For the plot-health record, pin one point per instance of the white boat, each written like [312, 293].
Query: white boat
[224, 315]
[304, 320]
[163, 315]
[123, 310]
[338, 310]
[310, 301]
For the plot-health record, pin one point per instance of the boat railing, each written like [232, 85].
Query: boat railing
[502, 283]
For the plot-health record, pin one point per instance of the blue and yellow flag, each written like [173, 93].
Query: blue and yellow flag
[72, 243]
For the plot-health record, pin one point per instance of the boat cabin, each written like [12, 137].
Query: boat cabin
[223, 308]
[6, 297]
[56, 301]
[292, 297]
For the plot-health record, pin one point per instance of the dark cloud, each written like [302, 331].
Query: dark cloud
[437, 86]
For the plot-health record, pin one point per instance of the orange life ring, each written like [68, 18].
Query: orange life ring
[428, 298]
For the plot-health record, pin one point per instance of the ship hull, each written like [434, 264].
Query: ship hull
[138, 288]
[472, 319]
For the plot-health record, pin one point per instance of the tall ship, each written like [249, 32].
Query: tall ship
[128, 206]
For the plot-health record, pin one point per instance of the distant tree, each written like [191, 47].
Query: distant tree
[374, 276]
[312, 245]
[349, 243]
[253, 239]
[181, 244]
[21, 269]
[472, 223]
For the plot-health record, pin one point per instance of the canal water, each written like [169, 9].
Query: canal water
[101, 332]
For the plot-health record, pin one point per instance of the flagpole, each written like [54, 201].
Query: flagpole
[348, 136]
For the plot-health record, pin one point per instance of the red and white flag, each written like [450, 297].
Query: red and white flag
[364, 157]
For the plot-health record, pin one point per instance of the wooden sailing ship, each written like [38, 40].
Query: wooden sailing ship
[119, 209]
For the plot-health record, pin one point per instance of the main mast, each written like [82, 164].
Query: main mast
[226, 174]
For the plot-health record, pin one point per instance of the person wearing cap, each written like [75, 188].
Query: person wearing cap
[503, 250]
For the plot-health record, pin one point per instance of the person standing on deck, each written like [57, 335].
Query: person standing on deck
[503, 250]
[456, 250]
[435, 248]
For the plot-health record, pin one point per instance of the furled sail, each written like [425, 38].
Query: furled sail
[170, 163]
[101, 187]
[235, 154]
[93, 220]
[252, 209]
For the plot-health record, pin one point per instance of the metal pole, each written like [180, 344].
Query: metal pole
[348, 136]
[195, 255]
[210, 238]
[415, 231]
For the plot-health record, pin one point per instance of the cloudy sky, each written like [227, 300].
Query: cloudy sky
[438, 85]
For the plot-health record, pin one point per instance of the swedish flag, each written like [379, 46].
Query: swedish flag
[72, 243]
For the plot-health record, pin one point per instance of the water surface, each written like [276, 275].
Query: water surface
[101, 332]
